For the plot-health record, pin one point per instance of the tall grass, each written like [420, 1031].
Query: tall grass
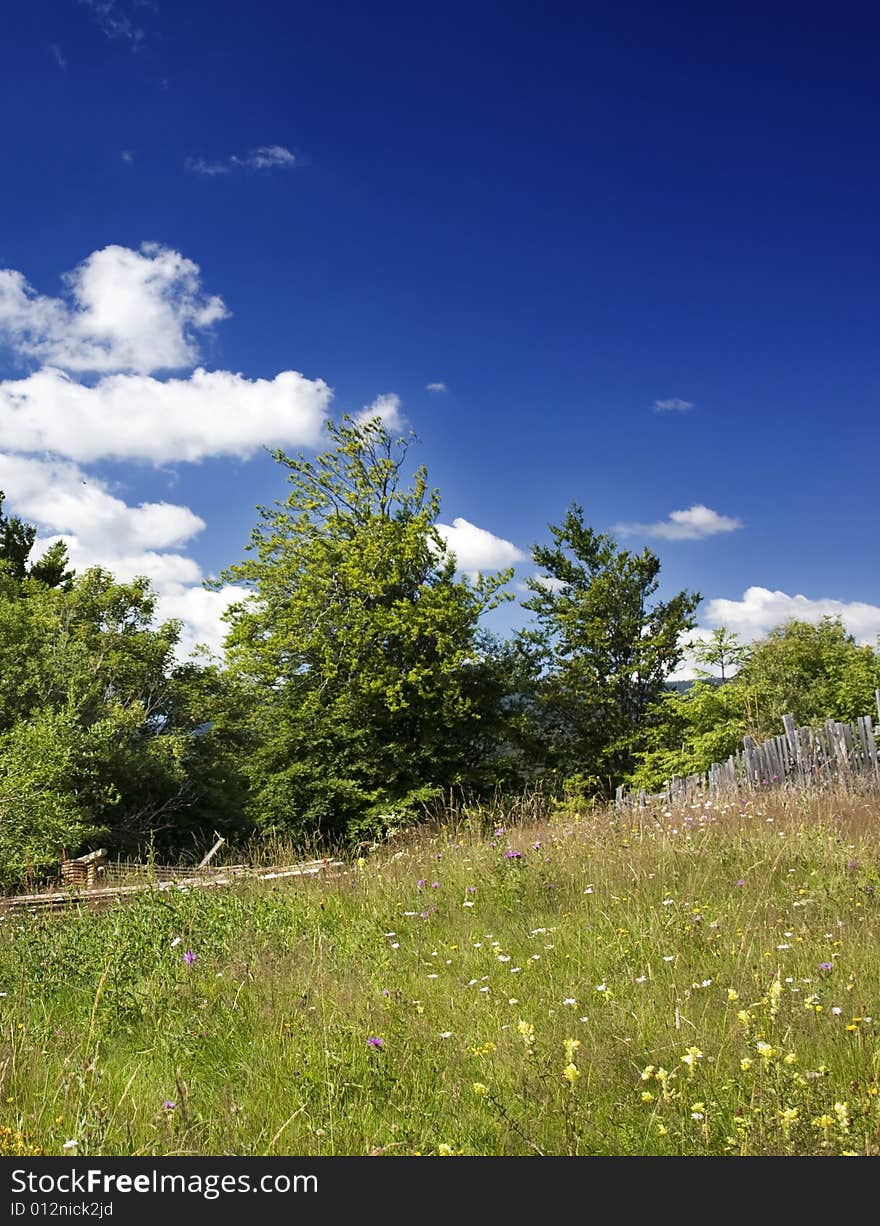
[697, 981]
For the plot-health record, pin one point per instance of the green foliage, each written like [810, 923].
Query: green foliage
[16, 542]
[721, 650]
[359, 642]
[99, 730]
[603, 649]
[812, 672]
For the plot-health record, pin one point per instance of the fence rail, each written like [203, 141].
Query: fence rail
[830, 753]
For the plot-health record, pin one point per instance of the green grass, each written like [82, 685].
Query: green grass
[702, 981]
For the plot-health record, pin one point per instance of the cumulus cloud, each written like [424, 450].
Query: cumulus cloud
[385, 408]
[136, 417]
[694, 524]
[263, 157]
[122, 310]
[673, 405]
[201, 612]
[435, 387]
[476, 549]
[760, 610]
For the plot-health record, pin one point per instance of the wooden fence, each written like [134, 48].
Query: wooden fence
[832, 753]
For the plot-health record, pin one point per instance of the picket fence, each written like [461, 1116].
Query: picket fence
[832, 753]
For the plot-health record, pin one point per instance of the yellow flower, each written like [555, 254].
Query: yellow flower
[480, 1089]
[690, 1058]
[841, 1110]
[732, 994]
[764, 1050]
[444, 1151]
[571, 1046]
[571, 1073]
[745, 1017]
[745, 1064]
[647, 1096]
[648, 1072]
[789, 1116]
[790, 1058]
[527, 1030]
[662, 1130]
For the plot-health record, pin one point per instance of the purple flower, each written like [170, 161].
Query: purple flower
[189, 957]
[513, 855]
[740, 882]
[385, 992]
[435, 885]
[498, 832]
[536, 846]
[470, 889]
[853, 864]
[373, 1041]
[168, 1105]
[826, 966]
[420, 883]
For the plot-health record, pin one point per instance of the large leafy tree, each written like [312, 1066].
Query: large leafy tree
[102, 734]
[604, 648]
[360, 643]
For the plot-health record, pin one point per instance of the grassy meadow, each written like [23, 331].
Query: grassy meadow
[703, 981]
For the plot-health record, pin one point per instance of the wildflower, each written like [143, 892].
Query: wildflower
[588, 890]
[690, 1058]
[745, 1017]
[601, 987]
[421, 883]
[569, 1000]
[513, 855]
[571, 1073]
[746, 1063]
[168, 1105]
[788, 1117]
[189, 957]
[662, 1130]
[174, 943]
[527, 1031]
[480, 1090]
[71, 1144]
[698, 1111]
[571, 1046]
[435, 885]
[826, 967]
[790, 1058]
[444, 1151]
[513, 1001]
[732, 995]
[445, 1034]
[765, 1050]
[375, 1041]
[647, 1096]
[648, 1072]
[841, 1110]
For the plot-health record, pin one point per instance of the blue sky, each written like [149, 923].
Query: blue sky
[633, 248]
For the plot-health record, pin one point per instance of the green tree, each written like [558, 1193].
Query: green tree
[603, 648]
[360, 644]
[812, 672]
[100, 730]
[722, 650]
[16, 542]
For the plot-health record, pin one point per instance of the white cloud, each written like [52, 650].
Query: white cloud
[760, 610]
[435, 387]
[694, 524]
[200, 611]
[476, 549]
[58, 56]
[673, 405]
[123, 310]
[136, 417]
[127, 156]
[263, 157]
[385, 408]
